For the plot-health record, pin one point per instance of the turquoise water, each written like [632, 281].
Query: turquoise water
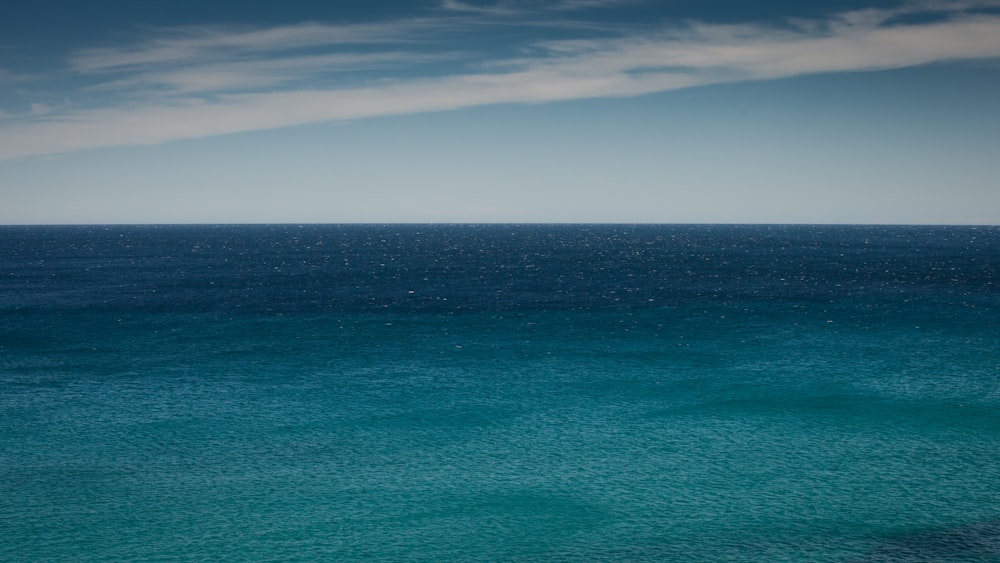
[544, 393]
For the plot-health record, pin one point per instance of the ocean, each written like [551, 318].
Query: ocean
[500, 393]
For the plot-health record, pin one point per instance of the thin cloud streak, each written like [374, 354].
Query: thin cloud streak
[12, 77]
[242, 75]
[251, 112]
[698, 55]
[521, 8]
[212, 44]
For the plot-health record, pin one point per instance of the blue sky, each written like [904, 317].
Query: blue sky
[500, 111]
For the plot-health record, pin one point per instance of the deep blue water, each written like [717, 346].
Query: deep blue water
[500, 393]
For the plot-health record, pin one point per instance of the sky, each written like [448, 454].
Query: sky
[579, 111]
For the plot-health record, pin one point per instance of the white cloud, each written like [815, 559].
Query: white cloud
[669, 59]
[495, 9]
[39, 110]
[248, 112]
[182, 46]
[246, 74]
[12, 77]
[521, 7]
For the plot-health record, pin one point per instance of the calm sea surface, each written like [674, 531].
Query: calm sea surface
[500, 393]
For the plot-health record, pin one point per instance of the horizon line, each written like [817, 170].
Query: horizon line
[499, 223]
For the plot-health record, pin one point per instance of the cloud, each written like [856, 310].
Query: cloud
[213, 60]
[12, 77]
[523, 7]
[249, 112]
[715, 53]
[252, 74]
[183, 45]
[641, 63]
[39, 109]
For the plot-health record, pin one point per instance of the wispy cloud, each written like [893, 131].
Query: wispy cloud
[202, 102]
[263, 73]
[39, 110]
[522, 7]
[9, 77]
[183, 45]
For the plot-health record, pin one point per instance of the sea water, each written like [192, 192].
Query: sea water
[500, 393]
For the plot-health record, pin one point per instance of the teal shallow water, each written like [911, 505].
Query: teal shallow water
[854, 429]
[534, 437]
